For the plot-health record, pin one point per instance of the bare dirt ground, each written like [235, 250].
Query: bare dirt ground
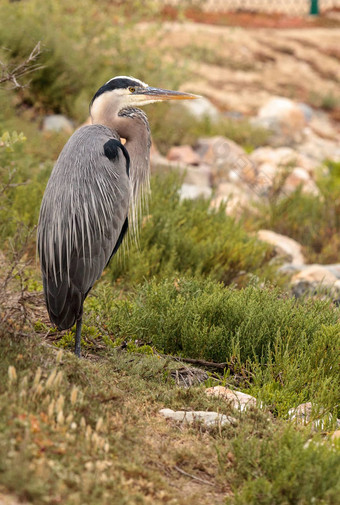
[239, 69]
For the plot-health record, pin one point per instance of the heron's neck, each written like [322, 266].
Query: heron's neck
[132, 125]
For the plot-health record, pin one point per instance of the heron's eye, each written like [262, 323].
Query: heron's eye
[132, 89]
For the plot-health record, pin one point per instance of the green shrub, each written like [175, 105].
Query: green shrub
[22, 185]
[83, 46]
[189, 237]
[279, 468]
[314, 221]
[287, 350]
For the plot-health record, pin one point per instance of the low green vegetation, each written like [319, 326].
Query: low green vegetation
[189, 237]
[314, 221]
[22, 185]
[88, 432]
[83, 46]
[286, 351]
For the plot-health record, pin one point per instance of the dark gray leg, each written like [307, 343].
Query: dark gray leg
[78, 338]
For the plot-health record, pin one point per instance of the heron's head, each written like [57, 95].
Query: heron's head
[123, 92]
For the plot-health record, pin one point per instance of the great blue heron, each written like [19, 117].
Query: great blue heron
[96, 179]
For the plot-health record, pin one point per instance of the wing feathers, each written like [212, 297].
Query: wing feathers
[82, 220]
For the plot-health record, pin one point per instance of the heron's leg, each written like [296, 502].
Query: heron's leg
[78, 338]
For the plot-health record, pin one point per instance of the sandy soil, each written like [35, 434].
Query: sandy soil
[239, 68]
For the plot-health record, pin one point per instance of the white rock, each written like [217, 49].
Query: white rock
[190, 417]
[304, 413]
[281, 157]
[284, 246]
[334, 269]
[235, 198]
[300, 177]
[57, 123]
[314, 277]
[236, 399]
[315, 274]
[284, 118]
[268, 170]
[318, 149]
[322, 127]
[198, 176]
[201, 108]
[191, 192]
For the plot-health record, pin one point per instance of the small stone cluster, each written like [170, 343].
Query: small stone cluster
[305, 414]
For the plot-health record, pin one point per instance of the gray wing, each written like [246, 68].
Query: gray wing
[83, 219]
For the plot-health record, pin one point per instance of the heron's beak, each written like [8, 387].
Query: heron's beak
[166, 94]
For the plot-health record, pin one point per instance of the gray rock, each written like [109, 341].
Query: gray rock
[322, 126]
[219, 151]
[289, 269]
[299, 177]
[57, 123]
[281, 157]
[334, 269]
[198, 176]
[209, 419]
[318, 149]
[201, 108]
[314, 276]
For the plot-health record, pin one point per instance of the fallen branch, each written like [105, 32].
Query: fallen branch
[202, 362]
[192, 476]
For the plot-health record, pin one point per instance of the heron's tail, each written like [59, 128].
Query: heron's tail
[64, 302]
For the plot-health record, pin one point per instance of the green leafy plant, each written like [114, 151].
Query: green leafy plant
[287, 350]
[190, 237]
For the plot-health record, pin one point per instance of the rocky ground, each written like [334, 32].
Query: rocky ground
[286, 81]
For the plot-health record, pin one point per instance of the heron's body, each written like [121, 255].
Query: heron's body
[96, 180]
[82, 230]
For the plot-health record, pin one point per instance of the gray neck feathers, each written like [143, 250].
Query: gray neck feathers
[132, 125]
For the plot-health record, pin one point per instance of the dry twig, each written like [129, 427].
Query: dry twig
[192, 476]
[11, 73]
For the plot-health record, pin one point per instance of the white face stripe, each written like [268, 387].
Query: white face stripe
[137, 81]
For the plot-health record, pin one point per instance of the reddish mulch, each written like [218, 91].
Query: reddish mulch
[249, 19]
